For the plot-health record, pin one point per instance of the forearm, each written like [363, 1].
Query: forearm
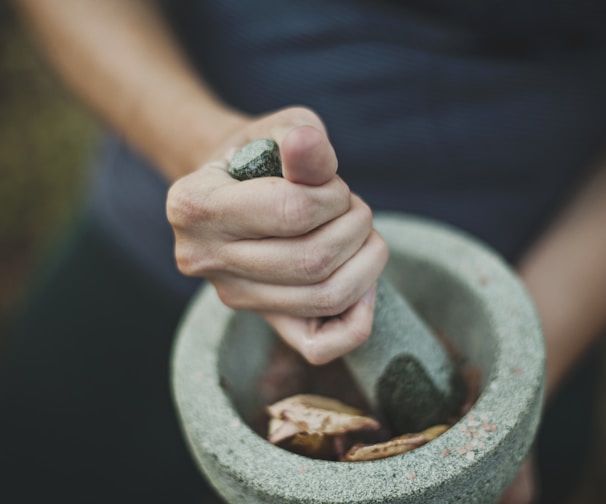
[565, 273]
[120, 57]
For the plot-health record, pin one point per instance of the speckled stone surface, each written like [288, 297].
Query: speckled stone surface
[461, 290]
[260, 158]
[403, 370]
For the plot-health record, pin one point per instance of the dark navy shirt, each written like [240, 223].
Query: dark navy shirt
[483, 115]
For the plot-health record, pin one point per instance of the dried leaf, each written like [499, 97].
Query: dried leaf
[320, 427]
[315, 426]
[433, 432]
[314, 445]
[280, 430]
[395, 446]
[317, 414]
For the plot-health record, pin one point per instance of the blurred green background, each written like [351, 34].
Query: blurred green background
[45, 142]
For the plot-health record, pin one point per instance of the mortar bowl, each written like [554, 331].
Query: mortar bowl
[461, 289]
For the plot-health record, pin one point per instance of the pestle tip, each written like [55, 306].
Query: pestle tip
[409, 400]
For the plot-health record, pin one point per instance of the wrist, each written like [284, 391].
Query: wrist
[183, 132]
[201, 132]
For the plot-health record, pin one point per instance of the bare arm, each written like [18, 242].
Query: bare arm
[292, 249]
[120, 57]
[565, 273]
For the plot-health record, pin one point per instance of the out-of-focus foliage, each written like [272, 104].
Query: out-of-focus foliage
[45, 142]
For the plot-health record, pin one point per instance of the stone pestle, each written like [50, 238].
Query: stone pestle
[404, 371]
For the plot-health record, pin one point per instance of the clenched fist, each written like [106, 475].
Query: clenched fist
[299, 250]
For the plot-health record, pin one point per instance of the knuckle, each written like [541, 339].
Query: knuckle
[366, 216]
[382, 251]
[229, 298]
[296, 210]
[180, 207]
[185, 263]
[341, 196]
[332, 299]
[317, 263]
[359, 335]
[224, 295]
[195, 261]
[184, 207]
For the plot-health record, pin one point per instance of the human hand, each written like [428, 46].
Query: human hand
[523, 488]
[301, 251]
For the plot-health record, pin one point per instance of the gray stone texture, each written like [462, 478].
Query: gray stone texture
[458, 288]
[403, 370]
[260, 158]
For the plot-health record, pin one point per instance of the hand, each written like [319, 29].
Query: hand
[523, 488]
[296, 250]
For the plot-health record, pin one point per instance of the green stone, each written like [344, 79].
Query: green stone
[260, 158]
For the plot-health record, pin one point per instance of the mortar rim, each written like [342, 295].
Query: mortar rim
[411, 229]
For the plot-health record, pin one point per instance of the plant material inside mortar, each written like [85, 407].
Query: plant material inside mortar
[319, 411]
[325, 428]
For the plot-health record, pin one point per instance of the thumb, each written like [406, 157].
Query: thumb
[307, 155]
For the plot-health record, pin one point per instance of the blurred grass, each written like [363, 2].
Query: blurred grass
[45, 141]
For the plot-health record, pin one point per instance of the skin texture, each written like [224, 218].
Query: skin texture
[296, 249]
[565, 274]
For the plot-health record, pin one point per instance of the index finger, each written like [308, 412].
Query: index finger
[274, 207]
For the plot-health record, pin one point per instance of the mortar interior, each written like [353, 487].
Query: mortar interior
[442, 298]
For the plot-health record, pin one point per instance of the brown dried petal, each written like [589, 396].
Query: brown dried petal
[316, 414]
[359, 453]
[433, 432]
[395, 446]
[280, 430]
[312, 445]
